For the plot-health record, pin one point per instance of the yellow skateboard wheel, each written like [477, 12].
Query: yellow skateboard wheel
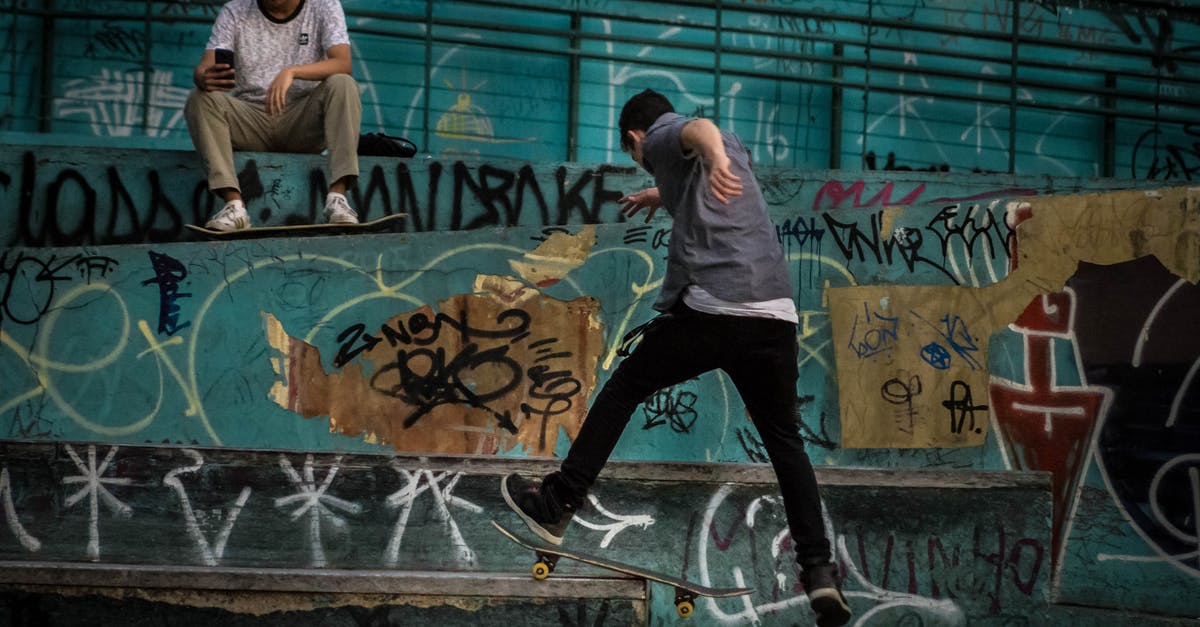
[685, 608]
[540, 571]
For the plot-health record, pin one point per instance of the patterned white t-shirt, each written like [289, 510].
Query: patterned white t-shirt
[263, 46]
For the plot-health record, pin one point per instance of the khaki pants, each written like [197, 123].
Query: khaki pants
[327, 117]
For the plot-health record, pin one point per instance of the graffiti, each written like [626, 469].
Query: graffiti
[969, 240]
[1163, 57]
[904, 578]
[978, 235]
[1046, 424]
[441, 487]
[502, 196]
[210, 553]
[900, 391]
[1167, 160]
[1146, 444]
[752, 446]
[768, 41]
[855, 244]
[876, 335]
[936, 355]
[834, 193]
[112, 39]
[962, 408]
[419, 329]
[169, 273]
[425, 379]
[637, 235]
[27, 540]
[979, 571]
[74, 209]
[800, 232]
[314, 500]
[956, 334]
[671, 406]
[30, 283]
[71, 199]
[29, 424]
[95, 491]
[556, 389]
[367, 512]
[661, 239]
[111, 103]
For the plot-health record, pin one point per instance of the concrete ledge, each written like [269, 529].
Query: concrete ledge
[749, 474]
[209, 526]
[331, 581]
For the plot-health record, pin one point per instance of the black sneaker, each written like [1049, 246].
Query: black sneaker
[825, 594]
[526, 499]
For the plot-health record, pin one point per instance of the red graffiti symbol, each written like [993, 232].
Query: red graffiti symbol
[1046, 426]
[837, 193]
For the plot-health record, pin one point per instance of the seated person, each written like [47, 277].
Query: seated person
[287, 88]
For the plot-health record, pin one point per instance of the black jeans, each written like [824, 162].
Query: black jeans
[759, 355]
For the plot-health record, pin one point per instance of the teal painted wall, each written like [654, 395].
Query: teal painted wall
[118, 330]
[167, 341]
[1100, 88]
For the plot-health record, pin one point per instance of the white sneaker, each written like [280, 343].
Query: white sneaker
[338, 211]
[231, 217]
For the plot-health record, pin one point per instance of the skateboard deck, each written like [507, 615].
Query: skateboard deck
[378, 225]
[685, 591]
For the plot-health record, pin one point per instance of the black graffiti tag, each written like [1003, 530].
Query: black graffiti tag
[425, 379]
[421, 330]
[551, 392]
[672, 406]
[962, 409]
[900, 393]
[28, 284]
[429, 377]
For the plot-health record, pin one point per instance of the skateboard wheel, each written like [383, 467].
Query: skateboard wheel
[685, 608]
[541, 571]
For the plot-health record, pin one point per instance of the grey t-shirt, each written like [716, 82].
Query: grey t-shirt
[263, 46]
[730, 250]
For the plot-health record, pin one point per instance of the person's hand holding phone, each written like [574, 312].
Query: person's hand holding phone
[219, 75]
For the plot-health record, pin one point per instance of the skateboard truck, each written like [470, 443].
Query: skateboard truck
[684, 605]
[544, 566]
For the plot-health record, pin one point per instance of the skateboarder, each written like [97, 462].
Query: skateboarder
[289, 90]
[726, 303]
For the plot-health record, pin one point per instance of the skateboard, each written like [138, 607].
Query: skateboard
[685, 591]
[378, 225]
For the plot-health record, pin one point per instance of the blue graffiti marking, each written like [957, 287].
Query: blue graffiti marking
[168, 275]
[954, 330]
[936, 355]
[877, 333]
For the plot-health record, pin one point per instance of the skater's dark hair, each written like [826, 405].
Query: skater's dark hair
[640, 112]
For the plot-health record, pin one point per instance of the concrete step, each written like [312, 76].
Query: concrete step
[942, 545]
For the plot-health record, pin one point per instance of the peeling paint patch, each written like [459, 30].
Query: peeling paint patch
[554, 258]
[505, 369]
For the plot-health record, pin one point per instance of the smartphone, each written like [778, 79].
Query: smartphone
[224, 56]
